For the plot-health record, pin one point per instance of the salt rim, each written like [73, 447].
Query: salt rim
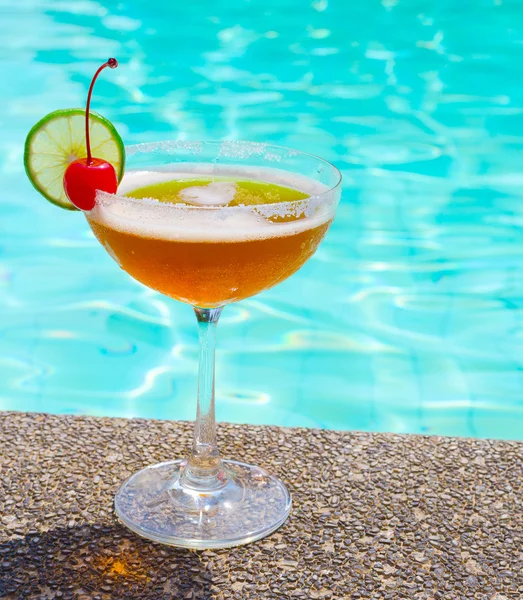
[326, 197]
[231, 149]
[169, 220]
[306, 206]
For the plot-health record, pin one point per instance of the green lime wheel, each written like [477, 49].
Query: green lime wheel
[58, 139]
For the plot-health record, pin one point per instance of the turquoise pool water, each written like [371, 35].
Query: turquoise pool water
[408, 319]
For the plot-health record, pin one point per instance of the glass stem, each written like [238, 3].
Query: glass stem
[204, 470]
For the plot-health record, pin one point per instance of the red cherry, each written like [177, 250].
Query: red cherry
[82, 180]
[84, 176]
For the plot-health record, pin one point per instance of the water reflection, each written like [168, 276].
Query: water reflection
[407, 319]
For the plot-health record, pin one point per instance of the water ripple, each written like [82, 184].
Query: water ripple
[409, 318]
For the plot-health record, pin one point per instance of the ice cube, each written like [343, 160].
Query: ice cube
[218, 193]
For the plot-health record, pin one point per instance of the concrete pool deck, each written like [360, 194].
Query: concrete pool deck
[374, 516]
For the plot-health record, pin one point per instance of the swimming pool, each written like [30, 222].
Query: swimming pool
[409, 317]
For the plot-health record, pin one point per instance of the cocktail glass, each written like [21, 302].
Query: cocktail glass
[210, 256]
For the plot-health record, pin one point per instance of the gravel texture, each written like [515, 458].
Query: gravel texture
[375, 516]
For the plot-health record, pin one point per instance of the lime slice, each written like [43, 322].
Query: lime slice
[58, 139]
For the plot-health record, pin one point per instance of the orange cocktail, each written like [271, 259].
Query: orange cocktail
[208, 259]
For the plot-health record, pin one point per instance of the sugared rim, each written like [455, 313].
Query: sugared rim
[194, 147]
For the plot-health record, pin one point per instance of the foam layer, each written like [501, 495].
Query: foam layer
[153, 219]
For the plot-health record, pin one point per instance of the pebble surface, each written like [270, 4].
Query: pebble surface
[375, 516]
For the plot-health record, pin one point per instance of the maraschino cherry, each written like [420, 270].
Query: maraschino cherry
[84, 176]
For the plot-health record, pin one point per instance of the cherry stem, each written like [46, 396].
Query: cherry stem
[112, 63]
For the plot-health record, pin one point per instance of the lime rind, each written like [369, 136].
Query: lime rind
[58, 139]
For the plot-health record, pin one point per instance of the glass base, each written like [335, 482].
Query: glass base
[248, 505]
